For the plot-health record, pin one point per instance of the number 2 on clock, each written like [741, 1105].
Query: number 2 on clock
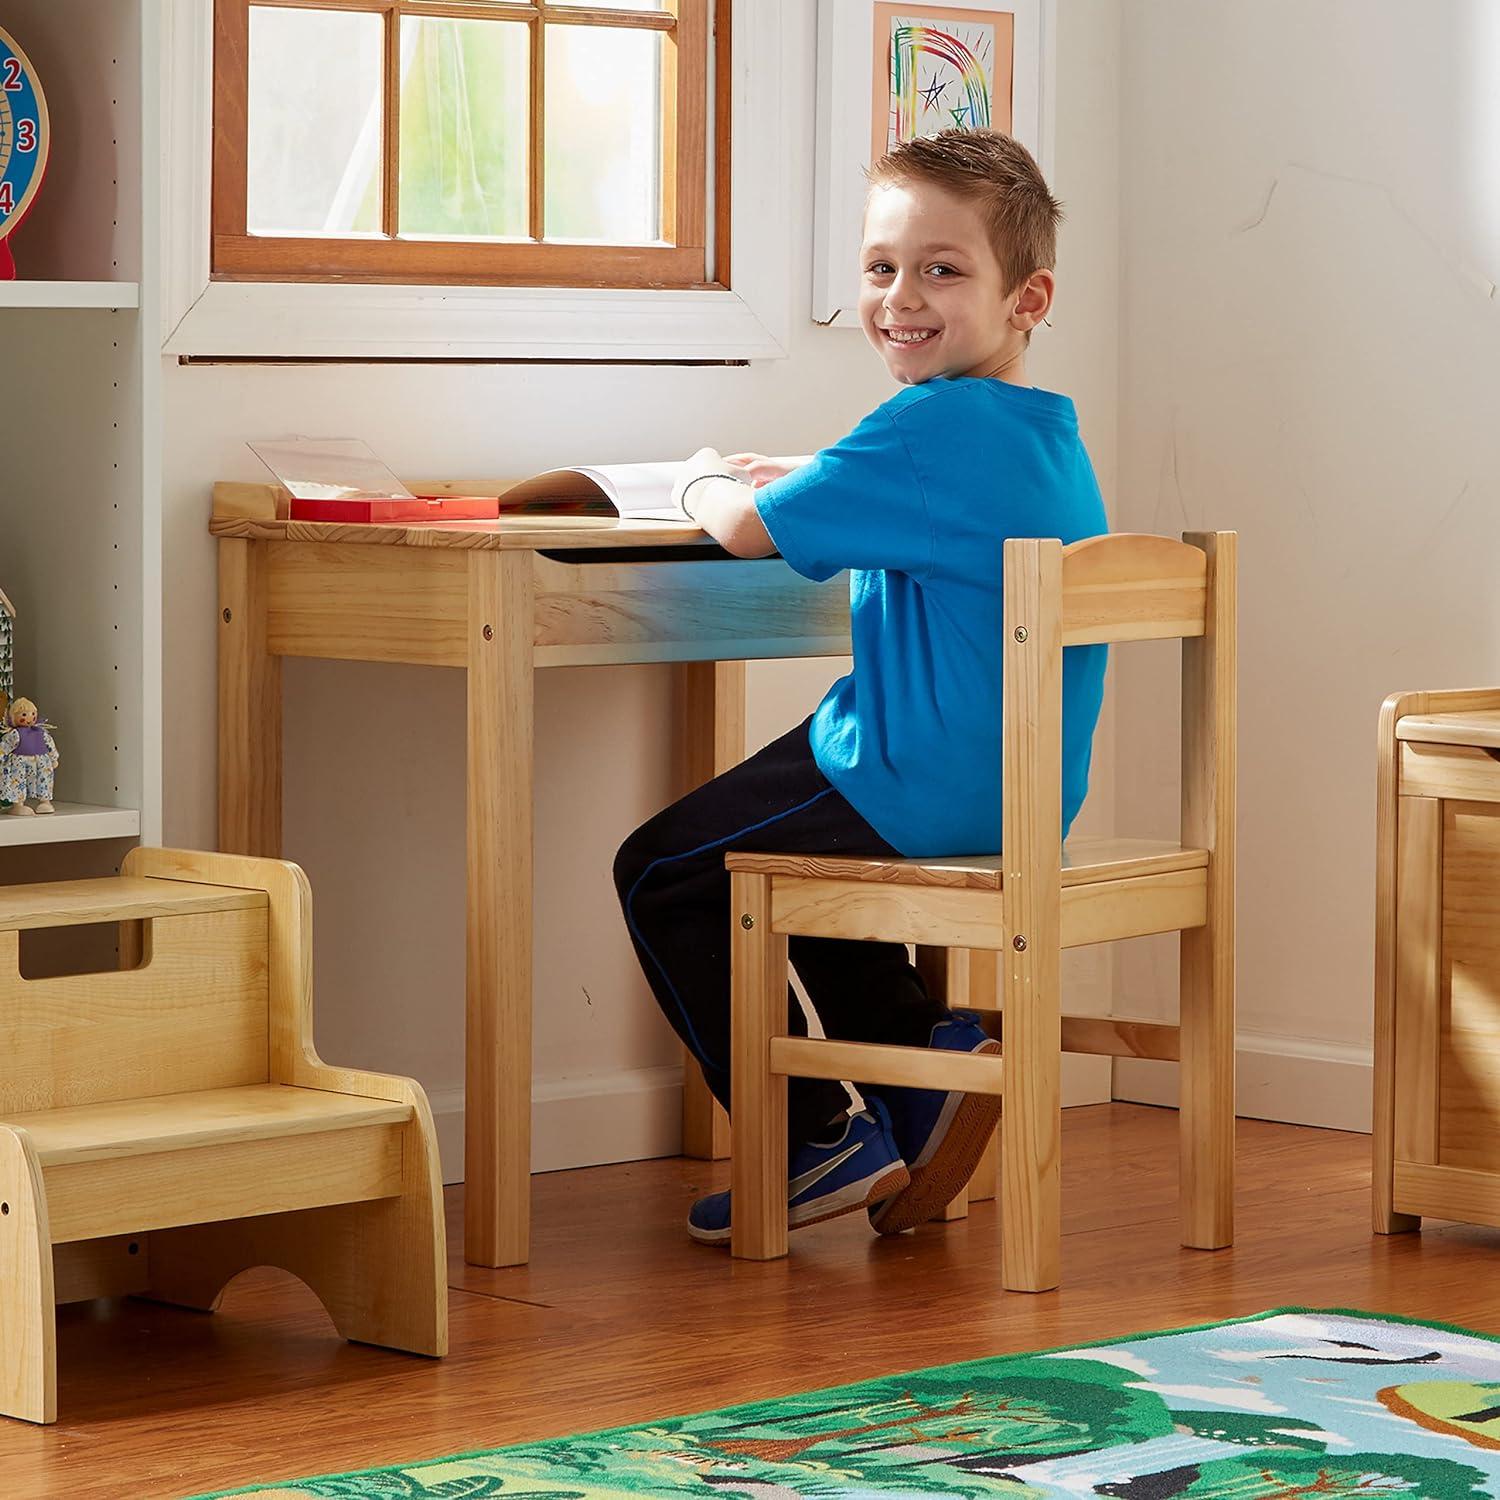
[12, 83]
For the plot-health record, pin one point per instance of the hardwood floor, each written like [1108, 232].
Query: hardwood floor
[619, 1317]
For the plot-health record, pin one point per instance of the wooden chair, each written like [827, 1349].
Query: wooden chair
[167, 1125]
[1027, 905]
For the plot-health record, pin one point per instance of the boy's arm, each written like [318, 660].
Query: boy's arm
[710, 494]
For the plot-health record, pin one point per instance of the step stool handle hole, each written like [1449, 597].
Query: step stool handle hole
[85, 948]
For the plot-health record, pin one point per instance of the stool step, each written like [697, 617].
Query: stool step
[123, 898]
[178, 1122]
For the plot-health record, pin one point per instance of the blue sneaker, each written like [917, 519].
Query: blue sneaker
[858, 1170]
[941, 1136]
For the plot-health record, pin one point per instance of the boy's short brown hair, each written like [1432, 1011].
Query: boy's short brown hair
[1003, 180]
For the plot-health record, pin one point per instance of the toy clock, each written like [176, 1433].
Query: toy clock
[24, 136]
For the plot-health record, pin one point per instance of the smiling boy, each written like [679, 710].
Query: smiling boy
[902, 757]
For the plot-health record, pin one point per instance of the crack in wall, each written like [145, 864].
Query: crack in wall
[1471, 275]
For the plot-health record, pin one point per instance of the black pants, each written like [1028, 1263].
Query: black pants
[674, 891]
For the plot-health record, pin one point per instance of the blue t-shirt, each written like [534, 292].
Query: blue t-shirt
[918, 501]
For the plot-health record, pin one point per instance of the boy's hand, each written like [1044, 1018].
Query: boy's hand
[723, 506]
[704, 462]
[758, 469]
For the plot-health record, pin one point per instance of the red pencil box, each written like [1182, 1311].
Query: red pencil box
[419, 508]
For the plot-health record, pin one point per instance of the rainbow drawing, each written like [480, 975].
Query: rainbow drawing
[937, 67]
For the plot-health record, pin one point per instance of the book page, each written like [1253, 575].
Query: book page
[640, 491]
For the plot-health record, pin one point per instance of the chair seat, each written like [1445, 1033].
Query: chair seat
[213, 1117]
[1089, 861]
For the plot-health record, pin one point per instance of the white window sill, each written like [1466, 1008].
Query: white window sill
[333, 320]
[298, 320]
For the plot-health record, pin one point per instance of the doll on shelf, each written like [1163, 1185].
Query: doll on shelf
[28, 757]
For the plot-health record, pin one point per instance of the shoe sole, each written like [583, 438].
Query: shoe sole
[858, 1195]
[936, 1182]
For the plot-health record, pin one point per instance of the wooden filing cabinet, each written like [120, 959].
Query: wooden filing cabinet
[1437, 976]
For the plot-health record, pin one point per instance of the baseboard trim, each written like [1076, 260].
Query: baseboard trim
[630, 1115]
[636, 1114]
[1288, 1079]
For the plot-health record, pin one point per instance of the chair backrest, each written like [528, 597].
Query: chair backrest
[1125, 587]
[192, 1015]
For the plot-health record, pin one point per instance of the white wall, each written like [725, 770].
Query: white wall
[1310, 356]
[374, 771]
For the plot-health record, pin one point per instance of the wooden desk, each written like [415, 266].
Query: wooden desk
[497, 599]
[1437, 960]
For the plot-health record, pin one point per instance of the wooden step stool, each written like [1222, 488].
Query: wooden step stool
[167, 1125]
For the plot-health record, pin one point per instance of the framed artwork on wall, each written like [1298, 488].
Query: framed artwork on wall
[889, 72]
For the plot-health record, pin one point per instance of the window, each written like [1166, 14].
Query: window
[510, 142]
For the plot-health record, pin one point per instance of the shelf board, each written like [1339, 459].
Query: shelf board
[72, 821]
[106, 294]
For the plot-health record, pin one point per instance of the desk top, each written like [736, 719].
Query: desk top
[510, 533]
[250, 511]
[1466, 727]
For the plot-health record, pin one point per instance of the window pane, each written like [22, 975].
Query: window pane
[603, 134]
[465, 87]
[313, 161]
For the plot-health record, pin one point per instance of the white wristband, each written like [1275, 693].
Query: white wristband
[698, 479]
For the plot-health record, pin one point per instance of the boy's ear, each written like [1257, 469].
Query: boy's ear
[1033, 301]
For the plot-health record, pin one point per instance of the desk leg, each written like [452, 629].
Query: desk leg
[983, 993]
[249, 706]
[710, 740]
[497, 1110]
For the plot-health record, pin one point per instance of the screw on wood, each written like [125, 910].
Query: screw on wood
[1018, 942]
[747, 922]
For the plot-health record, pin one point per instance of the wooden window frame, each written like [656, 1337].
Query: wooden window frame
[681, 263]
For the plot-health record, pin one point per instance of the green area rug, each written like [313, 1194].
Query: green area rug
[1294, 1402]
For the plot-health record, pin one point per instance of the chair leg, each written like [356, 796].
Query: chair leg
[379, 1268]
[1206, 1090]
[1031, 1135]
[28, 1316]
[758, 1219]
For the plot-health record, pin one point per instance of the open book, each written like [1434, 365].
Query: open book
[641, 492]
[341, 480]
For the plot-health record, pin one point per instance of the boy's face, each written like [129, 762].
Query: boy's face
[932, 299]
